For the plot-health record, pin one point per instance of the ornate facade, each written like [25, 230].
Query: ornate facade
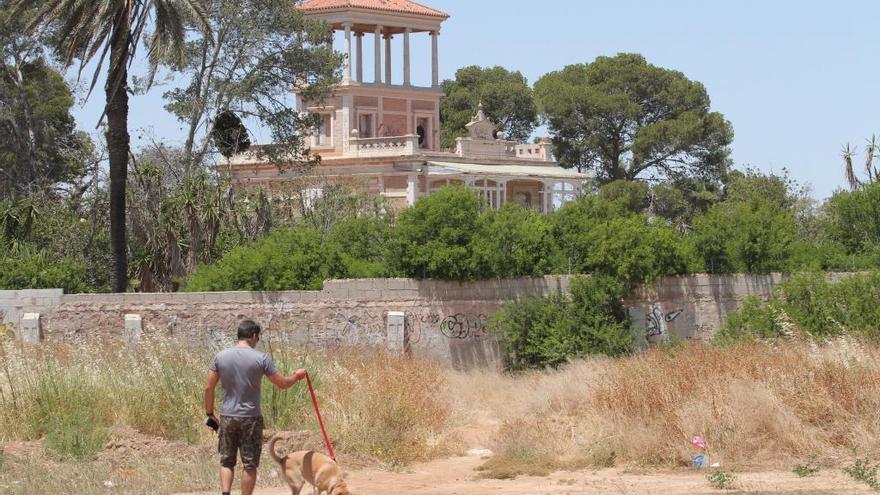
[385, 134]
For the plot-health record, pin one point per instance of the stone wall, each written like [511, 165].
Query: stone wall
[693, 307]
[445, 321]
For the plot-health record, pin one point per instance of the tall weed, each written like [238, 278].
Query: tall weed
[753, 403]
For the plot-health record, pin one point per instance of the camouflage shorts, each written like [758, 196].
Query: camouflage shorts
[244, 435]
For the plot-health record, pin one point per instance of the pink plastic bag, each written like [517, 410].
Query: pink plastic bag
[698, 442]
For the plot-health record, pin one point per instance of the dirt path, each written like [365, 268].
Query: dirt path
[457, 476]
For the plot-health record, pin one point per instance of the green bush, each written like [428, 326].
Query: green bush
[851, 219]
[547, 331]
[813, 304]
[288, 259]
[433, 238]
[27, 268]
[512, 242]
[356, 248]
[754, 319]
[599, 236]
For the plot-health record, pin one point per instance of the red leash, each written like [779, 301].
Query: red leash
[320, 421]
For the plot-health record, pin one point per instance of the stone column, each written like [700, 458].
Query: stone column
[435, 63]
[412, 189]
[346, 78]
[360, 57]
[406, 79]
[388, 38]
[378, 63]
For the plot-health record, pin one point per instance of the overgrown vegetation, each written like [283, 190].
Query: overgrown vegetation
[550, 331]
[380, 405]
[810, 304]
[756, 405]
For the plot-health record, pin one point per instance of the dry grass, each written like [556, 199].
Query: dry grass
[756, 405]
[68, 402]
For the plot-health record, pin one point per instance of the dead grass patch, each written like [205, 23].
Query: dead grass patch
[756, 405]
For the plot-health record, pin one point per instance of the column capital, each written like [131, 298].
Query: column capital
[348, 25]
[408, 30]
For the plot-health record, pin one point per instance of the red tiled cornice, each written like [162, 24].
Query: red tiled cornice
[400, 6]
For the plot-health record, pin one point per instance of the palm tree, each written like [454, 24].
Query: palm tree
[90, 28]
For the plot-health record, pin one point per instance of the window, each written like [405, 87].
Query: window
[423, 129]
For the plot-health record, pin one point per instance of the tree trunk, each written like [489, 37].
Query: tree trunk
[116, 89]
[27, 136]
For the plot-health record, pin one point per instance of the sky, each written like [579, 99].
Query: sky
[797, 79]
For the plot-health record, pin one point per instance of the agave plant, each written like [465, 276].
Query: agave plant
[871, 172]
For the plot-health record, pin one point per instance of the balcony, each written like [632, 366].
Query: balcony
[385, 146]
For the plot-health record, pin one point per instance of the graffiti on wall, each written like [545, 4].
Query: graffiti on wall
[460, 326]
[657, 320]
[366, 327]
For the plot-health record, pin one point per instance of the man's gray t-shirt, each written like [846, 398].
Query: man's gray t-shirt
[241, 372]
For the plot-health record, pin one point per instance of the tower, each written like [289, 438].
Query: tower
[372, 111]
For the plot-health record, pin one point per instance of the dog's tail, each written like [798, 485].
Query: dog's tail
[272, 452]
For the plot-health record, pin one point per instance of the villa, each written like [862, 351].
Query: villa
[385, 135]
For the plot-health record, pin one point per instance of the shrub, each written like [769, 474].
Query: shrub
[288, 259]
[599, 236]
[722, 480]
[815, 305]
[754, 319]
[851, 219]
[805, 470]
[356, 248]
[866, 472]
[27, 268]
[512, 242]
[433, 239]
[548, 331]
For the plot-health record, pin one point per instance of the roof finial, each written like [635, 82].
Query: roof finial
[481, 115]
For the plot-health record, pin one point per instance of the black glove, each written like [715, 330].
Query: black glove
[212, 423]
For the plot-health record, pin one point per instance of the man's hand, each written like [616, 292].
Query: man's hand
[284, 382]
[212, 422]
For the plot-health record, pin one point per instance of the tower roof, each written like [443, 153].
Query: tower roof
[395, 6]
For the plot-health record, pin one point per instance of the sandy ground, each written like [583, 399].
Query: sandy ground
[457, 476]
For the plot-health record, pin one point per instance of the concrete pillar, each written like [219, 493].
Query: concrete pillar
[360, 57]
[412, 189]
[396, 332]
[346, 78]
[406, 75]
[435, 62]
[378, 58]
[133, 329]
[30, 330]
[388, 38]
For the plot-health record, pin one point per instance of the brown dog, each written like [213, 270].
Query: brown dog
[319, 470]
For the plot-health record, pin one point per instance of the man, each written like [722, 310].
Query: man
[240, 370]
